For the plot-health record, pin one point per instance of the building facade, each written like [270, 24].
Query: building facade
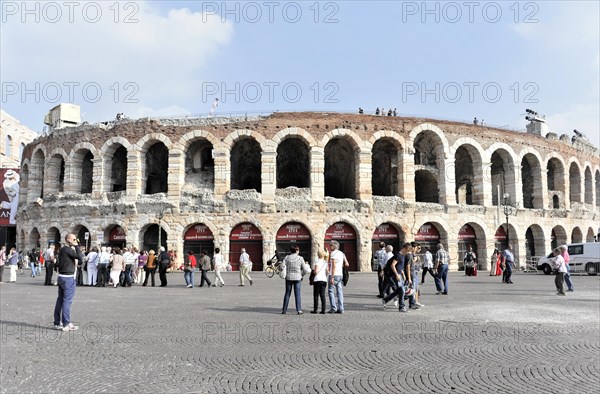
[13, 138]
[265, 182]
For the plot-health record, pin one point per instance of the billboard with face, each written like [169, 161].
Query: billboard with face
[9, 196]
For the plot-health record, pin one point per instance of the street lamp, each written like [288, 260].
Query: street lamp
[508, 210]
[159, 216]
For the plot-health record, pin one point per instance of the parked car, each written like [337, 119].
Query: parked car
[584, 258]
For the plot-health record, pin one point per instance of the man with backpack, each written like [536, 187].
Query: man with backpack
[49, 264]
[470, 261]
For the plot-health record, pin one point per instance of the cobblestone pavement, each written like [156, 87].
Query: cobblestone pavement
[483, 337]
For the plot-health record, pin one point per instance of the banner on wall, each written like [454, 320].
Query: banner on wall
[9, 196]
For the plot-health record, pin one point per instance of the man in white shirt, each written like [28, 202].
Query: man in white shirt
[427, 265]
[561, 267]
[245, 267]
[337, 260]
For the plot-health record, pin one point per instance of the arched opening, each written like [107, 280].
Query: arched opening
[246, 165]
[574, 183]
[597, 181]
[468, 176]
[466, 237]
[531, 181]
[56, 175]
[157, 167]
[555, 202]
[390, 235]
[428, 149]
[249, 237]
[293, 164]
[294, 233]
[115, 169]
[426, 187]
[200, 167]
[576, 236]
[535, 243]
[589, 237]
[34, 239]
[83, 169]
[589, 186]
[558, 237]
[556, 175]
[340, 169]
[150, 238]
[53, 236]
[502, 239]
[84, 236]
[37, 175]
[385, 163]
[345, 234]
[430, 235]
[116, 236]
[503, 177]
[198, 238]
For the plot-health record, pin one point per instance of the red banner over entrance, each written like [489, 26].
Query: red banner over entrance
[427, 232]
[293, 231]
[117, 234]
[198, 232]
[340, 231]
[500, 234]
[466, 233]
[385, 231]
[245, 232]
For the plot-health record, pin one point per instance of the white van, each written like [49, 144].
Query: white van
[583, 257]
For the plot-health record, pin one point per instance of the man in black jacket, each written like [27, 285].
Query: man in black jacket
[163, 264]
[69, 257]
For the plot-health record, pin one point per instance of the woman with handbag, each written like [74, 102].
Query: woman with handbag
[294, 268]
[318, 279]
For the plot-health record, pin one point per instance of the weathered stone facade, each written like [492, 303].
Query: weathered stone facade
[356, 169]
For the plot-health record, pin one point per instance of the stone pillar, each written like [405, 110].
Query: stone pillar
[176, 175]
[268, 174]
[452, 249]
[567, 183]
[72, 181]
[97, 177]
[51, 179]
[222, 173]
[485, 184]
[541, 194]
[317, 173]
[406, 173]
[135, 171]
[364, 175]
[446, 180]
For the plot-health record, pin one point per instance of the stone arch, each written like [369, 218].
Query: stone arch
[24, 182]
[503, 174]
[576, 235]
[531, 180]
[235, 136]
[574, 182]
[114, 154]
[149, 140]
[535, 242]
[34, 239]
[480, 241]
[190, 222]
[293, 162]
[558, 236]
[55, 234]
[555, 177]
[432, 128]
[588, 186]
[56, 176]
[148, 238]
[82, 167]
[294, 132]
[190, 137]
[246, 164]
[386, 159]
[341, 167]
[398, 139]
[37, 172]
[589, 237]
[199, 163]
[345, 134]
[441, 226]
[468, 173]
[361, 242]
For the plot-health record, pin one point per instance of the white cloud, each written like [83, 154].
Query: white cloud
[161, 55]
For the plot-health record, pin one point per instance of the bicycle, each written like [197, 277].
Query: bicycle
[273, 266]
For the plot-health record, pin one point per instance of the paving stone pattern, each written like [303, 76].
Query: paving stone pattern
[483, 337]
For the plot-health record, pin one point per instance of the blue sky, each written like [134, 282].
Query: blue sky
[488, 59]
